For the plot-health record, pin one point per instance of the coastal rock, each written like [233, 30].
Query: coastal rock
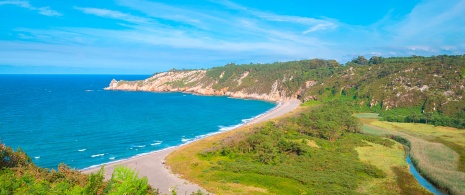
[197, 82]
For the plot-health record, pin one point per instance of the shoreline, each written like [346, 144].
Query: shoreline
[199, 137]
[152, 166]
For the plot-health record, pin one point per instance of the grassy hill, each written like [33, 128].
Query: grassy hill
[403, 89]
[408, 89]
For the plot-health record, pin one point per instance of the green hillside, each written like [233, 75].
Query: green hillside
[403, 89]
[407, 89]
[319, 150]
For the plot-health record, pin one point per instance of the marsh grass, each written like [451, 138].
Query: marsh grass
[406, 182]
[392, 161]
[457, 148]
[367, 115]
[432, 150]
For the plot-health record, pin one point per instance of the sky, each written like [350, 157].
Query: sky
[148, 36]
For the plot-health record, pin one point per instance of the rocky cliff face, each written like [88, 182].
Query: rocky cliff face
[197, 81]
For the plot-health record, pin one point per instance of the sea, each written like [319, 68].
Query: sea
[70, 118]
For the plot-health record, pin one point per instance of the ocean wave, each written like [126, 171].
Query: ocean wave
[156, 143]
[188, 140]
[37, 157]
[227, 128]
[97, 155]
[245, 121]
[82, 150]
[111, 158]
[116, 161]
[89, 90]
[139, 146]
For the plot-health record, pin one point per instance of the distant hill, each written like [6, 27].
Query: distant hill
[273, 82]
[403, 89]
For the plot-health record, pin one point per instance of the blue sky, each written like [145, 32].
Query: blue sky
[143, 37]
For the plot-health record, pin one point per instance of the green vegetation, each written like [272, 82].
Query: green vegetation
[260, 78]
[437, 152]
[390, 160]
[463, 71]
[414, 115]
[402, 89]
[18, 175]
[318, 151]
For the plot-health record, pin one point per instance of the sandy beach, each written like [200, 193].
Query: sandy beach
[159, 176]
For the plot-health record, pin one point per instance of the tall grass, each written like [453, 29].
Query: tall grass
[435, 161]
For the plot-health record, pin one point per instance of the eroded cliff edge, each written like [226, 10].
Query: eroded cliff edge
[244, 85]
[428, 84]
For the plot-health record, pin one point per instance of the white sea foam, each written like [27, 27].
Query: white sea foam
[89, 90]
[156, 143]
[227, 128]
[116, 161]
[97, 155]
[112, 158]
[82, 150]
[37, 157]
[140, 146]
[189, 140]
[184, 140]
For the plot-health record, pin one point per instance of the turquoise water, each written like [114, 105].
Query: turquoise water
[71, 119]
[425, 183]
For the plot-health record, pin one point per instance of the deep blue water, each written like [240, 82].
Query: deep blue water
[425, 183]
[71, 119]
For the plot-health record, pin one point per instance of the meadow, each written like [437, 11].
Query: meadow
[437, 152]
[296, 155]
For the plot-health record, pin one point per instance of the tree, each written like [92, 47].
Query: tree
[360, 60]
[375, 60]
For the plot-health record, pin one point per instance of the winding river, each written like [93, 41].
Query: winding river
[425, 183]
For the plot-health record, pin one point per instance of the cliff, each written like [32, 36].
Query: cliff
[434, 84]
[271, 82]
[197, 81]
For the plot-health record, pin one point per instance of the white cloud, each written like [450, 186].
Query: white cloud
[113, 14]
[157, 34]
[432, 27]
[433, 22]
[23, 4]
[46, 11]
[167, 12]
[322, 26]
[313, 24]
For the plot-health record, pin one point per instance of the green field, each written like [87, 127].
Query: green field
[294, 155]
[437, 152]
